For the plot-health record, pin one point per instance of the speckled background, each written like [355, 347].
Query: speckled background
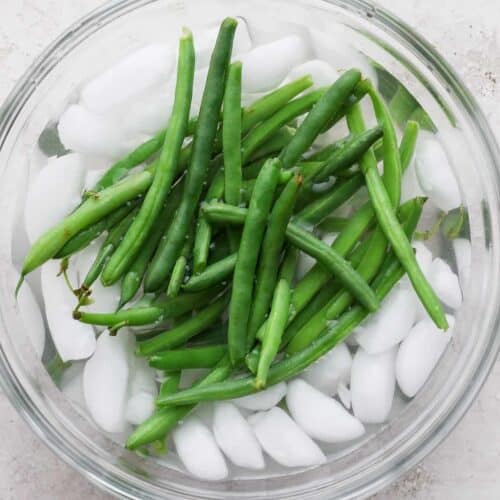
[467, 464]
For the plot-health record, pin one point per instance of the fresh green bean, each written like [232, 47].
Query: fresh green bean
[349, 154]
[133, 277]
[272, 146]
[275, 327]
[272, 245]
[165, 419]
[181, 333]
[203, 235]
[89, 212]
[190, 357]
[265, 130]
[392, 159]
[168, 251]
[108, 247]
[170, 385]
[179, 270]
[266, 106]
[214, 274]
[246, 262]
[217, 334]
[308, 243]
[85, 237]
[165, 171]
[138, 316]
[328, 105]
[408, 143]
[121, 168]
[231, 133]
[291, 366]
[322, 206]
[368, 266]
[333, 224]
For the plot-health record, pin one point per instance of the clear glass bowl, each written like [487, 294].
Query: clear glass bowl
[415, 427]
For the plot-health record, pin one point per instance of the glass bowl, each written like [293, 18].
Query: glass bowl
[415, 426]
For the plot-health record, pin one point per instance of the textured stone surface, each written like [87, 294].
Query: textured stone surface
[467, 464]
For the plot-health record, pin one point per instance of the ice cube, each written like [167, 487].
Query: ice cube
[445, 283]
[262, 400]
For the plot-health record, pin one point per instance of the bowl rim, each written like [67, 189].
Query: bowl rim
[380, 17]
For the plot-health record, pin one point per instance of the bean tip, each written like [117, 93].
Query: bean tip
[18, 285]
[77, 314]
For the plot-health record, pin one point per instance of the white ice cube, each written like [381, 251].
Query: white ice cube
[445, 283]
[321, 417]
[55, 192]
[71, 385]
[106, 378]
[419, 354]
[373, 380]
[264, 67]
[85, 132]
[344, 394]
[139, 407]
[262, 400]
[236, 438]
[322, 73]
[333, 368]
[390, 324]
[434, 173]
[284, 441]
[198, 450]
[130, 76]
[72, 339]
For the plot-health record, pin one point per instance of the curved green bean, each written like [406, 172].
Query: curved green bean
[168, 251]
[189, 357]
[214, 274]
[276, 325]
[165, 171]
[272, 245]
[328, 105]
[246, 262]
[138, 316]
[133, 277]
[181, 333]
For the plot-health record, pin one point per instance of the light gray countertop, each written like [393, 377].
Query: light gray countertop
[467, 464]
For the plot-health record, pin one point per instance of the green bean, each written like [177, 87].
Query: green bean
[214, 274]
[89, 212]
[272, 245]
[368, 266]
[231, 128]
[165, 419]
[262, 132]
[408, 143]
[203, 235]
[85, 237]
[138, 316]
[308, 243]
[179, 270]
[266, 106]
[333, 224]
[273, 145]
[248, 185]
[246, 262]
[181, 333]
[329, 104]
[170, 385]
[326, 152]
[392, 159]
[215, 335]
[322, 206]
[108, 247]
[291, 366]
[138, 232]
[275, 327]
[349, 154]
[168, 251]
[139, 155]
[133, 277]
[190, 357]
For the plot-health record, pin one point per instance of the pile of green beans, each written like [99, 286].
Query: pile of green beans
[215, 228]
